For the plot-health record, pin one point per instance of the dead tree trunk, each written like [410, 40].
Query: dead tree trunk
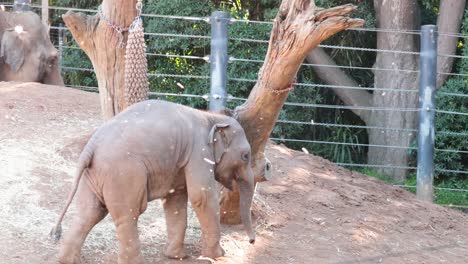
[101, 43]
[298, 28]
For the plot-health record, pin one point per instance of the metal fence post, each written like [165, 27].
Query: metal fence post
[22, 5]
[60, 47]
[427, 90]
[45, 12]
[218, 60]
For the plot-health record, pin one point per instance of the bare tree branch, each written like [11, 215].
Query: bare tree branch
[335, 76]
[78, 23]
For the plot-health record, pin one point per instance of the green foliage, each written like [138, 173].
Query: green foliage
[372, 173]
[446, 196]
[172, 45]
[453, 123]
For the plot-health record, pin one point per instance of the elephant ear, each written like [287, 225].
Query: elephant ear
[12, 49]
[218, 141]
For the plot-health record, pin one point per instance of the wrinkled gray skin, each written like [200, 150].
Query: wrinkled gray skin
[159, 150]
[28, 56]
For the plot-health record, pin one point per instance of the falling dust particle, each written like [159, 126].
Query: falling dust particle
[181, 86]
[209, 161]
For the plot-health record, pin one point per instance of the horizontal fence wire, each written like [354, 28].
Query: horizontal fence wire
[344, 126]
[288, 103]
[395, 167]
[206, 19]
[95, 89]
[362, 145]
[376, 166]
[335, 86]
[340, 143]
[205, 58]
[451, 112]
[232, 59]
[436, 188]
[266, 42]
[304, 104]
[336, 47]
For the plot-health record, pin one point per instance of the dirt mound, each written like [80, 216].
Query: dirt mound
[311, 211]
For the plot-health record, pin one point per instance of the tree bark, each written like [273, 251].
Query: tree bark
[449, 21]
[298, 28]
[394, 15]
[101, 43]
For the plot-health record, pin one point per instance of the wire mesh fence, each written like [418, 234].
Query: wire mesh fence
[178, 57]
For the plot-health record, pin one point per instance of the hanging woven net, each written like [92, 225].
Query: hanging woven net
[136, 65]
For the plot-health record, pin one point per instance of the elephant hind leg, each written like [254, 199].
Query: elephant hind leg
[90, 211]
[126, 199]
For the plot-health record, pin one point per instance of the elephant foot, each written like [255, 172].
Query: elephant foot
[129, 260]
[69, 260]
[176, 251]
[214, 252]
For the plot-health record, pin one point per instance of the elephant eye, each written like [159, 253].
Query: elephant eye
[51, 61]
[245, 156]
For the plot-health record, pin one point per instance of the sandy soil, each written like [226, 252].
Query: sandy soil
[311, 211]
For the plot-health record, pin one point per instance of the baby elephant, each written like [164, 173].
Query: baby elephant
[159, 150]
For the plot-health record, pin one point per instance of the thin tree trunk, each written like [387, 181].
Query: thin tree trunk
[449, 21]
[400, 19]
[298, 28]
[101, 43]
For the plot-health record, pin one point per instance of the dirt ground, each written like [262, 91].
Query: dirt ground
[311, 211]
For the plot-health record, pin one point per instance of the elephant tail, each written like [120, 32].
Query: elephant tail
[84, 161]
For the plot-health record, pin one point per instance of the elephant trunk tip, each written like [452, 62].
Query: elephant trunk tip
[251, 235]
[56, 233]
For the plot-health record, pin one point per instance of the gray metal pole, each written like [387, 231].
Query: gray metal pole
[60, 51]
[427, 90]
[218, 60]
[45, 12]
[22, 5]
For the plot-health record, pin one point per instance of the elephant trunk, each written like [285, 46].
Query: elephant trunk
[246, 187]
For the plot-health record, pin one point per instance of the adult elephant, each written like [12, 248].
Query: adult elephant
[26, 53]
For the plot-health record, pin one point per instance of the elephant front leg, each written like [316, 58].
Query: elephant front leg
[204, 199]
[175, 209]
